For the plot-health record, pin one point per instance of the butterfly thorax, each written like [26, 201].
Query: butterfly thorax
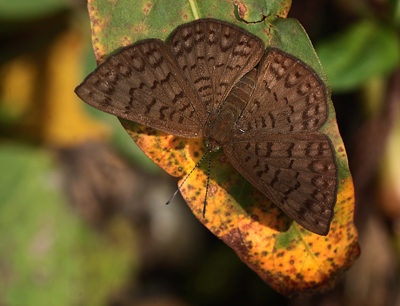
[221, 126]
[219, 129]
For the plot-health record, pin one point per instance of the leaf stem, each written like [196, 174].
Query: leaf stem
[194, 9]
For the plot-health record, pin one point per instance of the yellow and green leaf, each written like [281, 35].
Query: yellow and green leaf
[289, 258]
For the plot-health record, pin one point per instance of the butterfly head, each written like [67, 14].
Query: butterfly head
[212, 145]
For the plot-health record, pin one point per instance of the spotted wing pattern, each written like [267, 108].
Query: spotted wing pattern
[144, 84]
[213, 56]
[289, 96]
[297, 172]
[277, 147]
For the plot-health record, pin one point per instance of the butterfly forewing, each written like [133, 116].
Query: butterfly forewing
[214, 55]
[143, 83]
[297, 172]
[289, 96]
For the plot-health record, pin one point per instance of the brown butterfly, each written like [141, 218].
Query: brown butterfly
[214, 80]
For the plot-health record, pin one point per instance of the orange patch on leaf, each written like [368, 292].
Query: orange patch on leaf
[289, 258]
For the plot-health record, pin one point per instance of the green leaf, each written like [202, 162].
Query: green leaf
[116, 24]
[366, 50]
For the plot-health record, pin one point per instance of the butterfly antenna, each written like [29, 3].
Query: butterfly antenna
[208, 183]
[187, 176]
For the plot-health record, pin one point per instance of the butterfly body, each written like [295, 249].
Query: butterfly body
[223, 123]
[215, 80]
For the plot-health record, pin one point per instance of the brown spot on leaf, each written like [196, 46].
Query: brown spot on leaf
[299, 276]
[179, 147]
[242, 9]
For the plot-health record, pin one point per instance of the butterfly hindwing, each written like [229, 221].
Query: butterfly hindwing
[142, 83]
[297, 172]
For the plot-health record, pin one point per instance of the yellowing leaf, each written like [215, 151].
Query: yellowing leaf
[286, 256]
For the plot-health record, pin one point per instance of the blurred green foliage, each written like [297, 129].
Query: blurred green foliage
[365, 50]
[48, 255]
